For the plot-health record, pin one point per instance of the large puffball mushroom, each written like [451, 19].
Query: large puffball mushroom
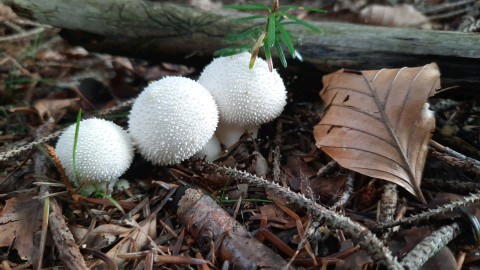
[104, 152]
[246, 98]
[172, 119]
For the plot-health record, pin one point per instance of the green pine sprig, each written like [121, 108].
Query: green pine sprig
[271, 35]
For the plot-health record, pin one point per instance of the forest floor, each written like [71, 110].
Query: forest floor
[342, 220]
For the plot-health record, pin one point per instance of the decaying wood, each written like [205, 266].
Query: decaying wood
[213, 228]
[153, 29]
[67, 248]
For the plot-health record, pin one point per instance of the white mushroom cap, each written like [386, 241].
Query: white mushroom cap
[244, 96]
[172, 119]
[104, 151]
[211, 150]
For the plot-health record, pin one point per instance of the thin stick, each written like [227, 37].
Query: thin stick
[368, 241]
[25, 35]
[277, 155]
[429, 246]
[4, 156]
[453, 153]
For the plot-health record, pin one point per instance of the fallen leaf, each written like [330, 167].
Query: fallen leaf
[396, 16]
[100, 237]
[377, 122]
[51, 107]
[76, 52]
[357, 260]
[139, 235]
[50, 55]
[6, 13]
[18, 223]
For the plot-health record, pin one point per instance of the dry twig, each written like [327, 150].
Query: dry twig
[368, 241]
[450, 207]
[429, 246]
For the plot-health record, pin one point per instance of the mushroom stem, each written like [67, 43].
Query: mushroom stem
[211, 151]
[229, 134]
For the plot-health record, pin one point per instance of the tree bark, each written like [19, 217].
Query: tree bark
[215, 230]
[164, 28]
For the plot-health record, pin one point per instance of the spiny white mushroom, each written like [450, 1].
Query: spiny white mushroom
[104, 152]
[246, 98]
[172, 119]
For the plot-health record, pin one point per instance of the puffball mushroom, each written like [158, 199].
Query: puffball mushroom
[104, 152]
[246, 98]
[172, 119]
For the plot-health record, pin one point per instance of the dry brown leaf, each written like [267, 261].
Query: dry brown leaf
[100, 237]
[396, 16]
[377, 122]
[134, 240]
[6, 13]
[18, 224]
[51, 107]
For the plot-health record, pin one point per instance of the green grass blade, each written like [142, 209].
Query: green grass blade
[286, 40]
[304, 23]
[268, 56]
[224, 190]
[271, 31]
[286, 8]
[281, 55]
[100, 193]
[256, 6]
[75, 142]
[319, 10]
[245, 34]
[249, 18]
[114, 202]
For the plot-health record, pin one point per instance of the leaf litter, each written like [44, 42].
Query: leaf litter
[378, 122]
[19, 223]
[150, 234]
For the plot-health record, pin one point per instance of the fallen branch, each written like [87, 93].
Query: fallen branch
[152, 29]
[215, 230]
[63, 238]
[429, 246]
[446, 208]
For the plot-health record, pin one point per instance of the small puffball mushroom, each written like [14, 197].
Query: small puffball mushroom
[246, 98]
[172, 119]
[104, 152]
[122, 184]
[211, 150]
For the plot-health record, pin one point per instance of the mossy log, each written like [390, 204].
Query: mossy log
[154, 30]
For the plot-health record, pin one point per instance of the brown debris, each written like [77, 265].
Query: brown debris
[213, 228]
[396, 16]
[17, 224]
